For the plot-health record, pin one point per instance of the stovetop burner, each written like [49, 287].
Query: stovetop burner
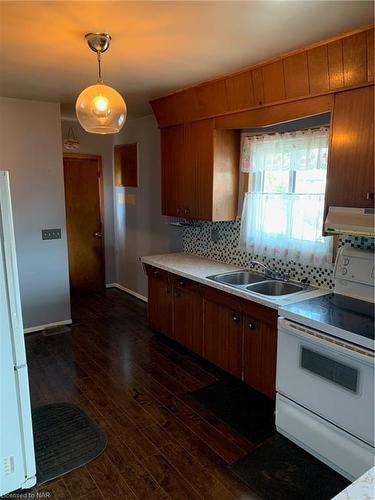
[346, 313]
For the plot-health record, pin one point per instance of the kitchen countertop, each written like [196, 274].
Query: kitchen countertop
[362, 489]
[198, 268]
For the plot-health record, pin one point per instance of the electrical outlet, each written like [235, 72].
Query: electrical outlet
[51, 234]
[215, 234]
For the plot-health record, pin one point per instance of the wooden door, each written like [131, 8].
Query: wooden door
[187, 315]
[350, 177]
[259, 355]
[222, 337]
[159, 302]
[82, 179]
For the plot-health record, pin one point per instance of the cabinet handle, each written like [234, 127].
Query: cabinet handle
[181, 282]
[369, 195]
[187, 211]
[155, 272]
[236, 317]
[251, 325]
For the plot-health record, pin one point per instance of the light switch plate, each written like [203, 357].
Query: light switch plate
[51, 234]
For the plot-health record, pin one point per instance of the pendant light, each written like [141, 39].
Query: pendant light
[100, 109]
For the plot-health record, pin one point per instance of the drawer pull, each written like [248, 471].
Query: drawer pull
[369, 195]
[236, 318]
[187, 211]
[251, 325]
[181, 282]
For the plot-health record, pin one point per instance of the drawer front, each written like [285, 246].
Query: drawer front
[184, 283]
[155, 272]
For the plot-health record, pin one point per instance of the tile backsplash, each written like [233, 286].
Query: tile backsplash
[219, 241]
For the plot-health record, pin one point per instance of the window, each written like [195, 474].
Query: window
[282, 214]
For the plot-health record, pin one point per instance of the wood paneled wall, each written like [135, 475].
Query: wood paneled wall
[339, 63]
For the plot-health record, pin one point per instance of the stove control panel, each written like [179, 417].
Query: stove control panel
[354, 272]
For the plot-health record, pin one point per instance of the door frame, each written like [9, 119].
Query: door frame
[98, 158]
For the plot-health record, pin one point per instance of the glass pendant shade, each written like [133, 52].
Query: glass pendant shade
[101, 109]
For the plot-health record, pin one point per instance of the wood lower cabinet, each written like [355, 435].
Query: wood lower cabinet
[259, 355]
[350, 177]
[159, 301]
[236, 335]
[187, 314]
[222, 337]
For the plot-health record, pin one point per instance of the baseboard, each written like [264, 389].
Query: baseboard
[127, 290]
[47, 325]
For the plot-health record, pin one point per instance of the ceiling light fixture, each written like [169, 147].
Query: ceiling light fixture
[100, 109]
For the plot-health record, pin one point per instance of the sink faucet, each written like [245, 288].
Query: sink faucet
[270, 273]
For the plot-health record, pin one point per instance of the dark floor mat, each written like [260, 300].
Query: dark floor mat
[280, 470]
[245, 410]
[65, 438]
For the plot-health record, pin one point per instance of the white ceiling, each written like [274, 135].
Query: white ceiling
[157, 47]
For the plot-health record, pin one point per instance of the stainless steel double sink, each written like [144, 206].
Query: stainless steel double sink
[256, 283]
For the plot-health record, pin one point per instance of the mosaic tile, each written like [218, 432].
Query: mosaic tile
[198, 241]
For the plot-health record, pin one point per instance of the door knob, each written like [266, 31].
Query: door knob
[98, 234]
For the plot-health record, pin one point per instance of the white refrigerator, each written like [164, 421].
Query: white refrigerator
[17, 459]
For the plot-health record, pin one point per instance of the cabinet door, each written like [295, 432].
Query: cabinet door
[159, 303]
[172, 164]
[178, 171]
[222, 337]
[259, 355]
[202, 146]
[187, 318]
[350, 177]
[187, 176]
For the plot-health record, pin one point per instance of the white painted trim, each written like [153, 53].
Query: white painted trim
[47, 325]
[127, 290]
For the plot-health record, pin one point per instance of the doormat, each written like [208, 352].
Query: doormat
[65, 438]
[245, 410]
[280, 470]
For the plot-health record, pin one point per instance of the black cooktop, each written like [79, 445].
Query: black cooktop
[352, 315]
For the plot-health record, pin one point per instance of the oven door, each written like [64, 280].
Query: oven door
[332, 378]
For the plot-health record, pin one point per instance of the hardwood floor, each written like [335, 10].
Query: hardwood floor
[135, 384]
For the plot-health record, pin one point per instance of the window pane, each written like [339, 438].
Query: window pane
[306, 215]
[311, 181]
[276, 181]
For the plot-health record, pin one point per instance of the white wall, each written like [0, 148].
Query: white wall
[140, 229]
[100, 145]
[30, 148]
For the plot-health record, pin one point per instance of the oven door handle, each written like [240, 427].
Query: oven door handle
[325, 340]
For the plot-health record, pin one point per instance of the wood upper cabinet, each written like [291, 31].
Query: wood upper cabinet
[178, 172]
[200, 171]
[350, 177]
[336, 64]
[159, 300]
[187, 314]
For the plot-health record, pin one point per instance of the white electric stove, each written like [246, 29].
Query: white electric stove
[325, 369]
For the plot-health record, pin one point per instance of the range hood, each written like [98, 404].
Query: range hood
[347, 220]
